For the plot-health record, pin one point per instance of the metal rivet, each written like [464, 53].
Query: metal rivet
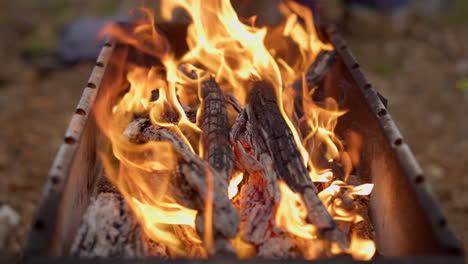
[382, 112]
[39, 225]
[70, 140]
[398, 142]
[419, 179]
[91, 85]
[442, 222]
[80, 111]
[55, 180]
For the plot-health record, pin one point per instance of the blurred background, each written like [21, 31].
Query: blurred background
[413, 52]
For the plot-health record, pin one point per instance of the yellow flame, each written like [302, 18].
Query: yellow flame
[291, 214]
[360, 248]
[234, 183]
[244, 250]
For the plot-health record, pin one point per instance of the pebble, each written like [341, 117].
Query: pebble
[9, 219]
[435, 171]
[461, 67]
[460, 199]
[436, 120]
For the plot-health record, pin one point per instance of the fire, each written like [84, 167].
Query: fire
[233, 185]
[291, 214]
[158, 219]
[235, 54]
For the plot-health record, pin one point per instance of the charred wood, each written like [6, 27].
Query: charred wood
[109, 229]
[287, 161]
[191, 181]
[215, 130]
[313, 76]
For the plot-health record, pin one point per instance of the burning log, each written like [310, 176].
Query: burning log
[215, 130]
[313, 76]
[320, 67]
[191, 184]
[109, 229]
[268, 125]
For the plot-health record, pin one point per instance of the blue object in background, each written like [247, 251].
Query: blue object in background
[384, 5]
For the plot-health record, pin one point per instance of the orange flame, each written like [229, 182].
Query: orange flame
[291, 214]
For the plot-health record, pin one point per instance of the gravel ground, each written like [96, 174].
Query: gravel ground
[416, 69]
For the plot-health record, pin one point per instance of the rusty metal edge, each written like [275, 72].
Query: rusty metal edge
[405, 157]
[41, 231]
[231, 260]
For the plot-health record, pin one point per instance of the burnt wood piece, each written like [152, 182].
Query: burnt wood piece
[109, 229]
[287, 161]
[320, 67]
[190, 184]
[189, 112]
[313, 76]
[259, 196]
[363, 229]
[215, 130]
[317, 70]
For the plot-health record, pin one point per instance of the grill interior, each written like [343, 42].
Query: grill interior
[406, 217]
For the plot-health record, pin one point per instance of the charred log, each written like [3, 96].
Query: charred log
[313, 76]
[109, 229]
[215, 130]
[287, 161]
[191, 182]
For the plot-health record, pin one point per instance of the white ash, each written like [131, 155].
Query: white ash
[109, 229]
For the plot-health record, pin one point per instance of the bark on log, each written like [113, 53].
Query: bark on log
[287, 161]
[320, 67]
[109, 229]
[215, 130]
[313, 76]
[190, 185]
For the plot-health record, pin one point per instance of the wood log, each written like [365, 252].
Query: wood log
[190, 184]
[313, 76]
[279, 247]
[109, 229]
[215, 130]
[320, 67]
[257, 207]
[287, 162]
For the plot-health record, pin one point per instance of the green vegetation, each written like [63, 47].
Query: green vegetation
[459, 15]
